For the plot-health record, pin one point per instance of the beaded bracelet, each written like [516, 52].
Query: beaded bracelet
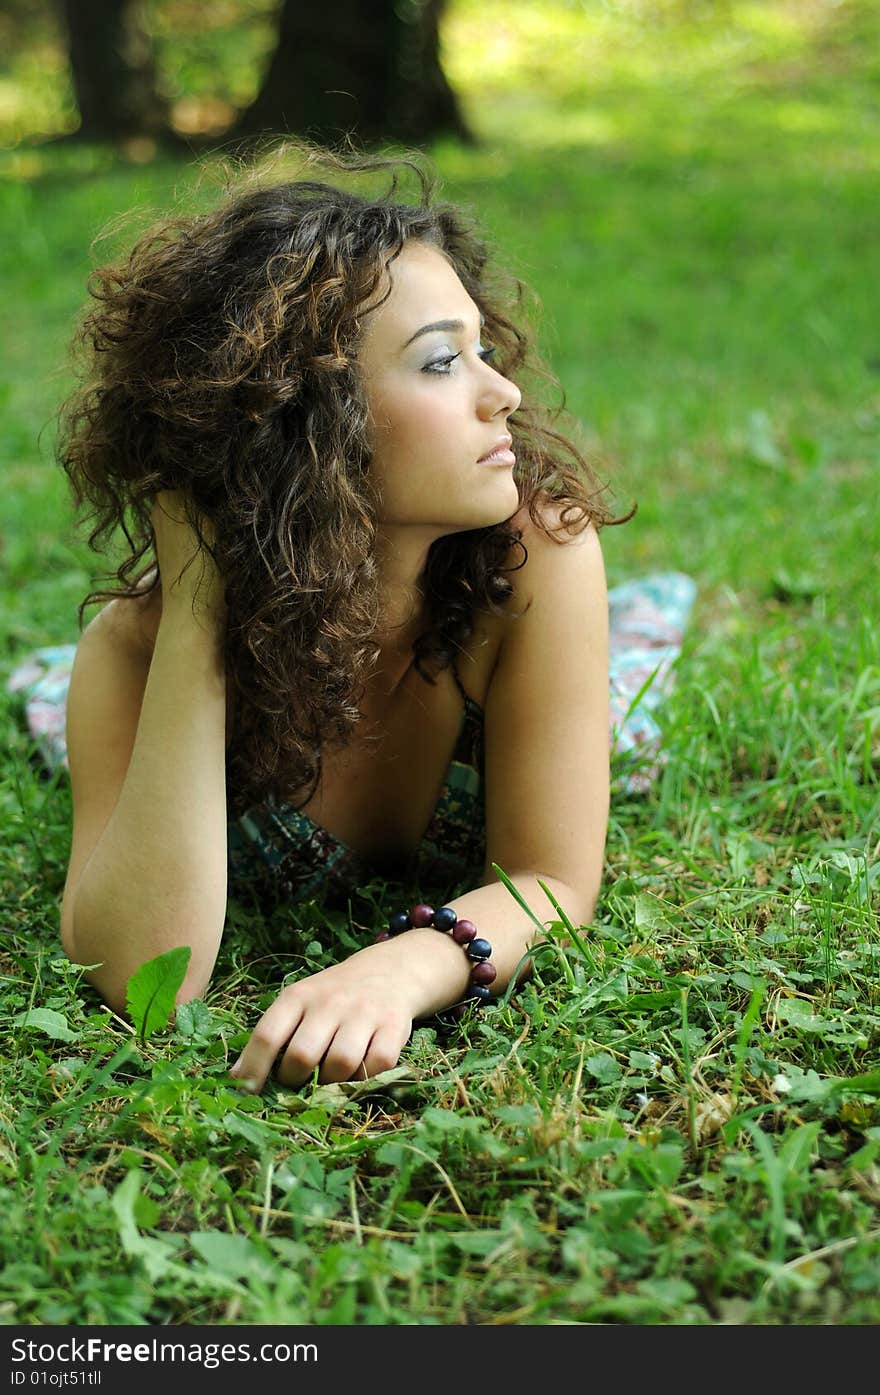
[464, 932]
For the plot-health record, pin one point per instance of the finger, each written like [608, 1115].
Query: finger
[383, 1052]
[344, 1057]
[306, 1049]
[266, 1041]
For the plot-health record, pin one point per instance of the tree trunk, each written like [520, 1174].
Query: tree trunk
[370, 68]
[114, 73]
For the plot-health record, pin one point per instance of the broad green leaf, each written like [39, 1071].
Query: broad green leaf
[253, 1130]
[479, 1242]
[747, 981]
[649, 912]
[642, 1002]
[343, 1311]
[628, 1199]
[54, 1024]
[799, 1014]
[662, 1163]
[643, 1060]
[232, 1256]
[863, 1158]
[195, 1021]
[157, 1255]
[669, 1292]
[807, 1085]
[150, 993]
[602, 1067]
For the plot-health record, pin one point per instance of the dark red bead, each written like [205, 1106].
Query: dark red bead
[464, 932]
[383, 935]
[484, 972]
[421, 915]
[479, 949]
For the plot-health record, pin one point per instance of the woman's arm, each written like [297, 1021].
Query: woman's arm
[546, 809]
[353, 1020]
[156, 877]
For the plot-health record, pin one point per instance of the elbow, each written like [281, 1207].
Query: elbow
[110, 978]
[576, 897]
[580, 909]
[106, 985]
[579, 897]
[110, 994]
[585, 900]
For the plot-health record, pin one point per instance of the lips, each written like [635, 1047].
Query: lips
[500, 452]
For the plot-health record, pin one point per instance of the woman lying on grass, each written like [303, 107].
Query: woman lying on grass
[302, 411]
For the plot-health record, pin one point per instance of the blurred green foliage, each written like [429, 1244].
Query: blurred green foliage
[694, 74]
[209, 60]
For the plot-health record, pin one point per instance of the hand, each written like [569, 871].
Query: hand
[176, 546]
[353, 1020]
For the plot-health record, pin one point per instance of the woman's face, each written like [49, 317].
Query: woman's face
[437, 405]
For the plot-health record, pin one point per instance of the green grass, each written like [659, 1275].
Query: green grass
[680, 1125]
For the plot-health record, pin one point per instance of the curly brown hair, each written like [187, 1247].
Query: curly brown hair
[221, 360]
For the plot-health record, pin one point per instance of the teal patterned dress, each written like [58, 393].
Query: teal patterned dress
[306, 861]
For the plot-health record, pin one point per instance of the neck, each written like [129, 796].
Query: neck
[401, 562]
[402, 618]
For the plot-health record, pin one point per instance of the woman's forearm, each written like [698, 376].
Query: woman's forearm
[438, 967]
[351, 1020]
[157, 877]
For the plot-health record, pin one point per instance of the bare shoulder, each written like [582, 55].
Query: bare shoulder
[545, 542]
[559, 589]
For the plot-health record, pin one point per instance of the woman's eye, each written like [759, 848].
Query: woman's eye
[442, 365]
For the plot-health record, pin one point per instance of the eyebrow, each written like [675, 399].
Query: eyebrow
[453, 326]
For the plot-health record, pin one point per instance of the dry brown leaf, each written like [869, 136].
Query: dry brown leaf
[337, 1096]
[712, 1114]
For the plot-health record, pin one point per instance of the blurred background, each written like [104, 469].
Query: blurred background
[690, 186]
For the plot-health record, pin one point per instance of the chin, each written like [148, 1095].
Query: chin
[508, 498]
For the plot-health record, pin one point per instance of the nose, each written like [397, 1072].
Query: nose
[500, 396]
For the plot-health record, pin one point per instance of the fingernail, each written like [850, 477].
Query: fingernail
[233, 1070]
[241, 1082]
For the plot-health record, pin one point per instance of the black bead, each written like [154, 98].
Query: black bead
[398, 923]
[478, 994]
[449, 1016]
[478, 949]
[445, 918]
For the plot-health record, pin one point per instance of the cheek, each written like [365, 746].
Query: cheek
[413, 422]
